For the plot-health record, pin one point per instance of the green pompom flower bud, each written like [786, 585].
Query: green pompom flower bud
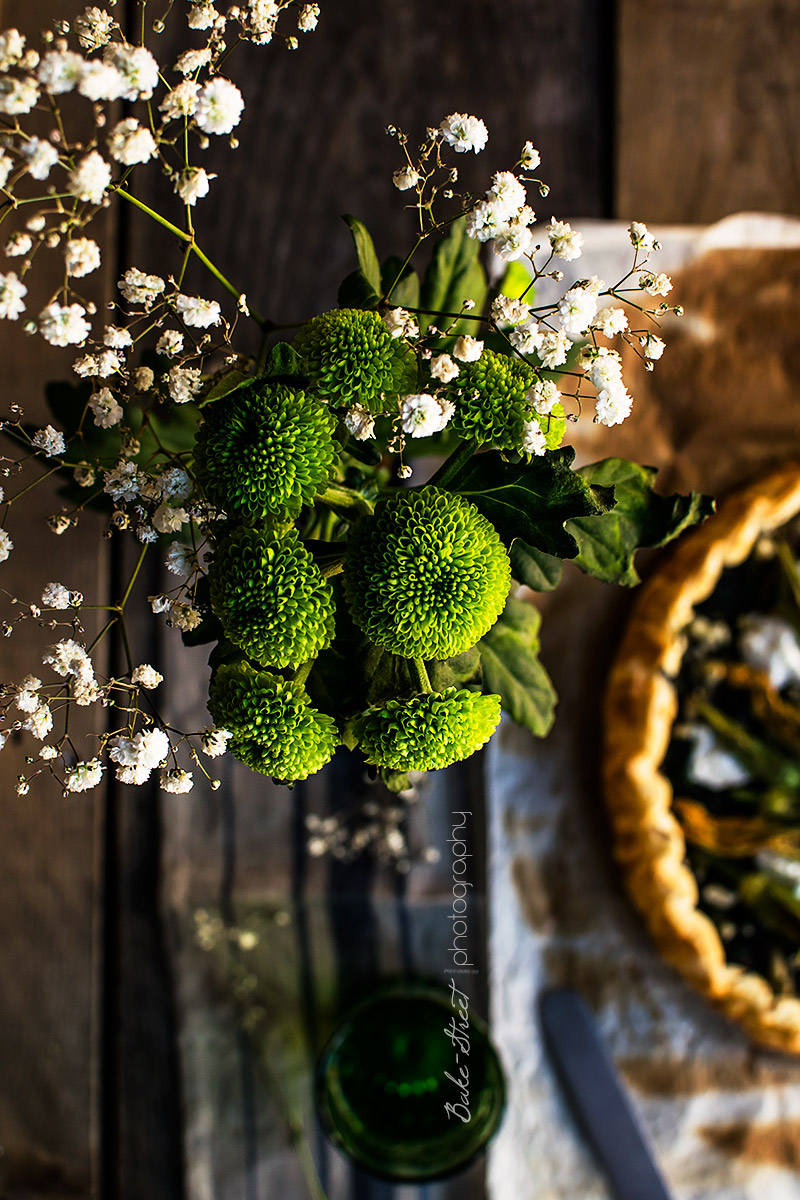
[271, 597]
[427, 576]
[428, 731]
[264, 451]
[491, 404]
[275, 729]
[352, 358]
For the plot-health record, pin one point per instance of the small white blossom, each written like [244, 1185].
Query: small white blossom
[193, 184]
[507, 194]
[145, 751]
[198, 313]
[67, 657]
[23, 787]
[84, 775]
[90, 178]
[214, 742]
[422, 415]
[533, 438]
[543, 396]
[359, 422]
[50, 441]
[94, 28]
[11, 292]
[84, 475]
[176, 781]
[565, 242]
[407, 177]
[169, 520]
[146, 676]
[137, 67]
[202, 16]
[26, 695]
[508, 311]
[185, 616]
[184, 383]
[170, 344]
[40, 156]
[192, 60]
[464, 133]
[81, 256]
[513, 241]
[117, 338]
[530, 158]
[443, 368]
[553, 349]
[58, 524]
[64, 324]
[219, 106]
[60, 71]
[578, 308]
[181, 101]
[180, 559]
[655, 285]
[18, 244]
[485, 221]
[468, 349]
[12, 48]
[526, 336]
[55, 595]
[6, 167]
[612, 406]
[130, 143]
[604, 368]
[641, 237]
[175, 482]
[139, 288]
[106, 409]
[40, 721]
[143, 379]
[610, 321]
[101, 81]
[400, 323]
[652, 346]
[159, 603]
[18, 96]
[48, 753]
[308, 17]
[123, 482]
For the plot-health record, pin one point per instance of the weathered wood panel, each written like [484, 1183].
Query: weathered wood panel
[708, 109]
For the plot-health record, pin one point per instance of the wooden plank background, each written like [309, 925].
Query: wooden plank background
[668, 113]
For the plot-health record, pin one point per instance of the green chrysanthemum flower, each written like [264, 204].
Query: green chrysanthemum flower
[275, 729]
[271, 597]
[427, 576]
[491, 405]
[352, 357]
[264, 451]
[428, 731]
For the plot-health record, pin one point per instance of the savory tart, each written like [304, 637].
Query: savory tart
[702, 758]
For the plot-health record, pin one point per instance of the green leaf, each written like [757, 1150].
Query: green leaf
[365, 252]
[511, 667]
[454, 275]
[283, 362]
[456, 671]
[539, 571]
[640, 517]
[224, 385]
[405, 292]
[531, 500]
[355, 291]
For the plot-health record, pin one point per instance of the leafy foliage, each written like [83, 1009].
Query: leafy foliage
[511, 667]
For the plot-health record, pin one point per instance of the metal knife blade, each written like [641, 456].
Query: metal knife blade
[597, 1098]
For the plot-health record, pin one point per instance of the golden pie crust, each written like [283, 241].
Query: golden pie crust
[640, 708]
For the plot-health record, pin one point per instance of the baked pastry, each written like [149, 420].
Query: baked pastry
[672, 846]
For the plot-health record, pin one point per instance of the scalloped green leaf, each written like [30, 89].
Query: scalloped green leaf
[454, 275]
[512, 670]
[539, 571]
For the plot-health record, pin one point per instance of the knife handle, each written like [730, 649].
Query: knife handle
[597, 1098]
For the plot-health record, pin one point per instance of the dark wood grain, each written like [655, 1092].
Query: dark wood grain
[708, 109]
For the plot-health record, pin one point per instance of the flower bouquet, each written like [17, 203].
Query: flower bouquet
[349, 594]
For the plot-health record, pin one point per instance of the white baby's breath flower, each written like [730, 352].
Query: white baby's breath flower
[543, 396]
[184, 383]
[169, 520]
[174, 483]
[58, 524]
[139, 288]
[610, 321]
[307, 18]
[513, 241]
[11, 292]
[170, 344]
[530, 158]
[40, 721]
[40, 156]
[422, 415]
[84, 775]
[146, 676]
[26, 696]
[214, 742]
[181, 101]
[193, 184]
[48, 753]
[159, 603]
[6, 545]
[123, 482]
[192, 60]
[143, 379]
[64, 324]
[507, 194]
[18, 244]
[485, 221]
[640, 236]
[196, 312]
[176, 781]
[407, 177]
[526, 336]
[55, 595]
[117, 338]
[18, 96]
[68, 657]
[652, 346]
[509, 311]
[464, 133]
[578, 308]
[185, 616]
[84, 475]
[612, 406]
[6, 167]
[81, 256]
[130, 143]
[60, 71]
[180, 559]
[565, 242]
[400, 323]
[443, 368]
[50, 441]
[467, 348]
[106, 409]
[90, 178]
[359, 422]
[655, 285]
[12, 48]
[533, 440]
[202, 16]
[553, 348]
[94, 28]
[101, 81]
[219, 106]
[137, 67]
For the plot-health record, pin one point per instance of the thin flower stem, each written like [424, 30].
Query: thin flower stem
[304, 670]
[337, 496]
[422, 675]
[102, 633]
[132, 581]
[307, 1164]
[32, 484]
[452, 465]
[123, 630]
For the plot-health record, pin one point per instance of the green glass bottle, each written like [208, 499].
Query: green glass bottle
[409, 1086]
